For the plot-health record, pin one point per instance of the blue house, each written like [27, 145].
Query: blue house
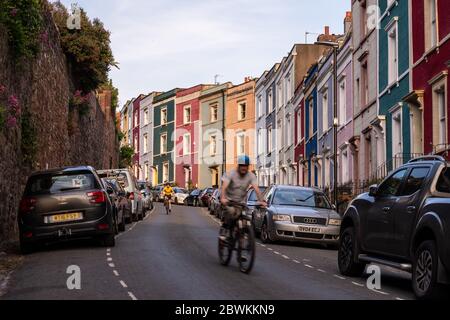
[310, 89]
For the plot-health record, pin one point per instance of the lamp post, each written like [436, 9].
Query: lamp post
[335, 47]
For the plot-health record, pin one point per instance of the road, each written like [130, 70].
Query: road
[175, 257]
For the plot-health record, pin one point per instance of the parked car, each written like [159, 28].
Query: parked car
[402, 223]
[157, 193]
[211, 201]
[205, 196]
[64, 204]
[130, 185]
[180, 195]
[252, 201]
[297, 214]
[216, 206]
[193, 199]
[122, 205]
[147, 197]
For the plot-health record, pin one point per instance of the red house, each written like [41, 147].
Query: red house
[188, 147]
[428, 101]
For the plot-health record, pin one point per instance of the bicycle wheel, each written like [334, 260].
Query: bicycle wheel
[246, 249]
[225, 252]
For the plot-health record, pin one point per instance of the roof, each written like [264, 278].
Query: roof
[63, 170]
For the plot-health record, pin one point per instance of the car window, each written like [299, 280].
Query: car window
[391, 186]
[253, 197]
[301, 197]
[443, 184]
[124, 179]
[57, 183]
[415, 181]
[268, 195]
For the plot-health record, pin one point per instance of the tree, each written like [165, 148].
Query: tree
[126, 156]
[88, 49]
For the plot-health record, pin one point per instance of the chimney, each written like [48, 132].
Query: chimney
[347, 21]
[327, 30]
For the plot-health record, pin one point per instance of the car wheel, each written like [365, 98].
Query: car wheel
[265, 233]
[109, 240]
[425, 269]
[346, 255]
[257, 233]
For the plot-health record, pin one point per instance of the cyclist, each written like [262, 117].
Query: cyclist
[168, 193]
[235, 185]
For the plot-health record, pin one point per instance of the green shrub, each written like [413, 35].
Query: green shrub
[126, 156]
[23, 22]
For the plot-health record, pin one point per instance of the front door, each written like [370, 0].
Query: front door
[380, 218]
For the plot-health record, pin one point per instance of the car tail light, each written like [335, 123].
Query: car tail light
[97, 197]
[131, 196]
[27, 205]
[103, 226]
[28, 235]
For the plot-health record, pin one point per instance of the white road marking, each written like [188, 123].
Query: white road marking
[297, 262]
[357, 284]
[108, 253]
[123, 284]
[109, 259]
[116, 273]
[306, 260]
[270, 249]
[339, 277]
[309, 266]
[111, 265]
[380, 292]
[277, 253]
[108, 250]
[286, 257]
[262, 245]
[399, 299]
[132, 296]
[322, 271]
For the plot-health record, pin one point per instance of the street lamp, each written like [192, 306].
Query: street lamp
[335, 47]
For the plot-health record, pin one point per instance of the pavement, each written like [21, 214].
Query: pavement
[174, 257]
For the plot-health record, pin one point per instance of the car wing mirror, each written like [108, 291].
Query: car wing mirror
[373, 191]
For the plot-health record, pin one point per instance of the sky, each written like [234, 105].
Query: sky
[166, 44]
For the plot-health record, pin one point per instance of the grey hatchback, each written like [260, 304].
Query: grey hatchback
[65, 203]
[297, 214]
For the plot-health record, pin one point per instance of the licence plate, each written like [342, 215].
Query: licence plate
[66, 217]
[309, 230]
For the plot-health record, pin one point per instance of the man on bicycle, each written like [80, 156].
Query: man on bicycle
[167, 193]
[235, 185]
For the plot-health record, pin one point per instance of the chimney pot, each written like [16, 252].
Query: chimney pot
[327, 30]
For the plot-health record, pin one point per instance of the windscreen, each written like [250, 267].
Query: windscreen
[57, 183]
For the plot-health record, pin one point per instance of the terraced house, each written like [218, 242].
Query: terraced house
[265, 124]
[212, 115]
[146, 137]
[394, 82]
[240, 123]
[164, 137]
[136, 123]
[369, 126]
[428, 99]
[311, 164]
[188, 136]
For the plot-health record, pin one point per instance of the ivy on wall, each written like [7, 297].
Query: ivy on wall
[23, 22]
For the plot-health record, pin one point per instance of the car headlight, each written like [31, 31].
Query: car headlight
[281, 217]
[334, 222]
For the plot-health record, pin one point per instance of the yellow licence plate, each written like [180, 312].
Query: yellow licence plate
[65, 217]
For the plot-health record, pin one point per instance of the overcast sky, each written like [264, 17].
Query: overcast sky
[163, 44]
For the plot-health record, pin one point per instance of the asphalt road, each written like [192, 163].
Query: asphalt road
[175, 257]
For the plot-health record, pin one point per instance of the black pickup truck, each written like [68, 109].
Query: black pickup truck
[402, 223]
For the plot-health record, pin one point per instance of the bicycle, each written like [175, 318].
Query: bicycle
[241, 240]
[167, 204]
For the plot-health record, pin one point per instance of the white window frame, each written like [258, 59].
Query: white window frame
[242, 111]
[440, 134]
[393, 56]
[187, 144]
[269, 139]
[431, 24]
[165, 171]
[240, 144]
[163, 146]
[213, 145]
[397, 132]
[164, 116]
[187, 110]
[342, 101]
[325, 105]
[146, 117]
[145, 143]
[270, 100]
[213, 107]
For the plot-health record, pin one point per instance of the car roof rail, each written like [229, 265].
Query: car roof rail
[428, 158]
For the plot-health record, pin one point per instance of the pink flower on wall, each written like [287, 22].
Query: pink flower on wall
[14, 12]
[11, 122]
